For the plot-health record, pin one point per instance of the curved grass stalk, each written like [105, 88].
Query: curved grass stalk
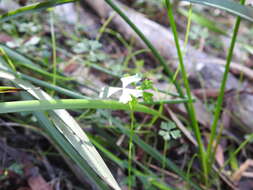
[40, 105]
[67, 149]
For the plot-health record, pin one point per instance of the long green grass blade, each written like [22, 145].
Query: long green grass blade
[8, 89]
[190, 107]
[34, 8]
[69, 150]
[39, 105]
[233, 7]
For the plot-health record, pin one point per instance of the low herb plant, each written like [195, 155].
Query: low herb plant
[66, 133]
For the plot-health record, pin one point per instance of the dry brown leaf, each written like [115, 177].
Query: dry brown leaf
[219, 156]
[38, 183]
[240, 172]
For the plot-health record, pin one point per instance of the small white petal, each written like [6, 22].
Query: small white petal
[33, 41]
[128, 80]
[128, 93]
[125, 98]
[106, 92]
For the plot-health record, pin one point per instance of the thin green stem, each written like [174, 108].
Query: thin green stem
[191, 110]
[188, 28]
[53, 48]
[165, 148]
[218, 108]
[130, 151]
[186, 39]
[104, 26]
[7, 58]
[41, 105]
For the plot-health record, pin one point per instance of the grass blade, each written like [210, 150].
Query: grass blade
[68, 149]
[34, 8]
[230, 6]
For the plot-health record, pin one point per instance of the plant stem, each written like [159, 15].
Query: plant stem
[191, 110]
[210, 153]
[53, 48]
[186, 39]
[130, 150]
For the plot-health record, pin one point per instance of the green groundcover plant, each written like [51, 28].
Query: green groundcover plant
[66, 133]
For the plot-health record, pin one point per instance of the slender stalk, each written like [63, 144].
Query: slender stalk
[188, 28]
[218, 108]
[7, 59]
[53, 48]
[191, 112]
[104, 26]
[36, 105]
[130, 151]
[165, 148]
[186, 39]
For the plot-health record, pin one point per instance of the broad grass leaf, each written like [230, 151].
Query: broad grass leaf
[33, 8]
[233, 7]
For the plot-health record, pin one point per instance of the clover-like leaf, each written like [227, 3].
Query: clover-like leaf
[168, 130]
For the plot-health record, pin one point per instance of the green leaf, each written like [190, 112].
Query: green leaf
[148, 97]
[168, 130]
[42, 105]
[8, 89]
[203, 21]
[67, 148]
[175, 134]
[32, 8]
[146, 84]
[230, 6]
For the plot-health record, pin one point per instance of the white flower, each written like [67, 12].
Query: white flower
[127, 93]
